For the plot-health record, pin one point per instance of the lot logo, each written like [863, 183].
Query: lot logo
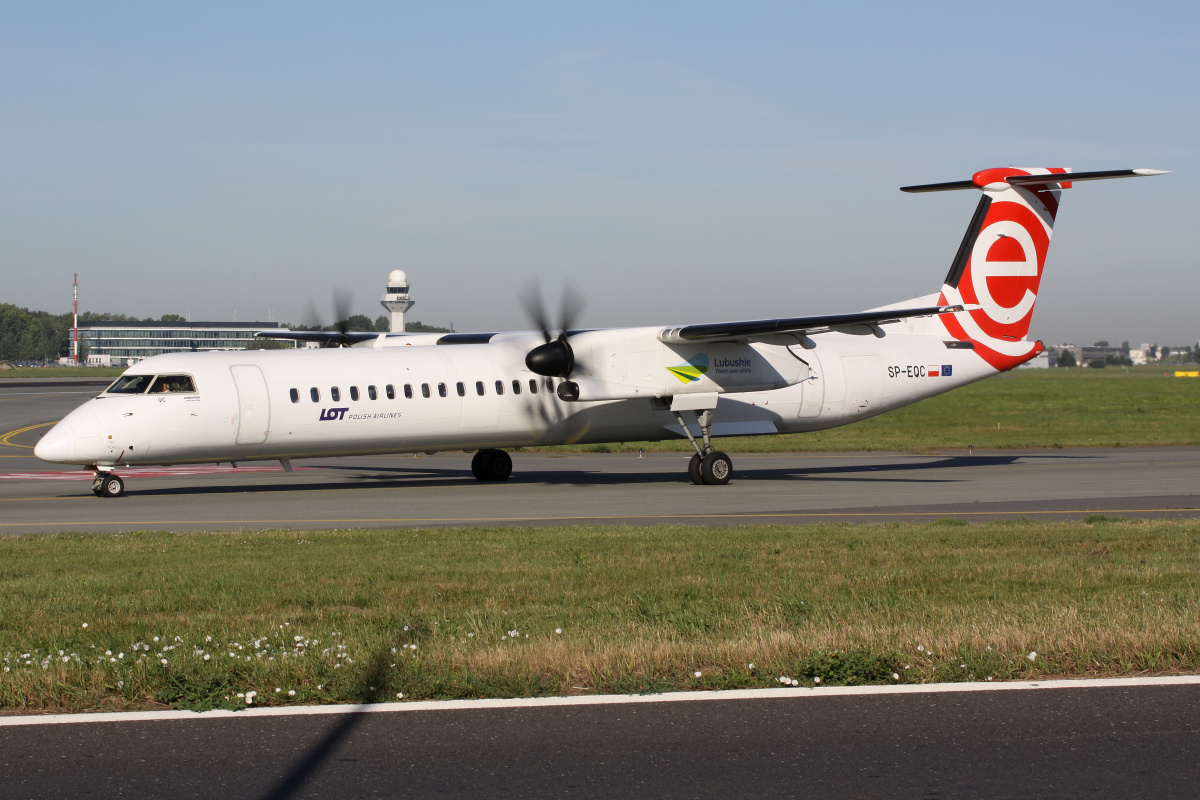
[333, 413]
[691, 370]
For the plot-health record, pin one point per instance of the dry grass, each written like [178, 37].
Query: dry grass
[639, 609]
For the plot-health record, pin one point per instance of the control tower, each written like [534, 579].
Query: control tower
[396, 300]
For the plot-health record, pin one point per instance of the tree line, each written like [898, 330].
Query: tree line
[40, 336]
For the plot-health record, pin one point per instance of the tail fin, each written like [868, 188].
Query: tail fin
[998, 267]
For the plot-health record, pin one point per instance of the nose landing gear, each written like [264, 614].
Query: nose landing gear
[107, 484]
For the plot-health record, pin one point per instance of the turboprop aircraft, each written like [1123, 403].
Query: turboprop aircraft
[400, 393]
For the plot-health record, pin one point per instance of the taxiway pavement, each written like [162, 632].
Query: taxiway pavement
[568, 488]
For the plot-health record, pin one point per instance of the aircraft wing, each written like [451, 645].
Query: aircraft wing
[758, 329]
[326, 338]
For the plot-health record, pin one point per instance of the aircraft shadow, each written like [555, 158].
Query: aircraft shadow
[941, 471]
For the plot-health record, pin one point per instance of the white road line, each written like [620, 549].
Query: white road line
[602, 700]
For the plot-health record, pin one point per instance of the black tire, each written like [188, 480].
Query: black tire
[478, 468]
[694, 470]
[491, 465]
[717, 469]
[499, 466]
[112, 486]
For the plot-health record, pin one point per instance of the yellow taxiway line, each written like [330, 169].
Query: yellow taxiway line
[4, 439]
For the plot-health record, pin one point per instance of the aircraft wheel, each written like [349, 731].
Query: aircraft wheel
[97, 492]
[499, 466]
[477, 462]
[716, 468]
[694, 470]
[491, 465]
[112, 486]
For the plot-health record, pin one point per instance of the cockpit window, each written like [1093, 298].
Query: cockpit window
[175, 384]
[130, 384]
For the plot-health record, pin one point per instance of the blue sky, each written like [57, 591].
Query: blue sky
[681, 162]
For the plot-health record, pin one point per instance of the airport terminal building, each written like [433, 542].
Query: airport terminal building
[127, 341]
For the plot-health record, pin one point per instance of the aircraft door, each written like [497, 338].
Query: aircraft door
[812, 388]
[478, 411]
[864, 384]
[254, 406]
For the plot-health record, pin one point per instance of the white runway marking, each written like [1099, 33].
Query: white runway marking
[602, 700]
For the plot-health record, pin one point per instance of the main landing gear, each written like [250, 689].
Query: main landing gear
[707, 466]
[491, 465]
[107, 484]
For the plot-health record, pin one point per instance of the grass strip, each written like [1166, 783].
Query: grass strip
[201, 620]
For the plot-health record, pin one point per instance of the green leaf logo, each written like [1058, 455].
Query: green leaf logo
[691, 370]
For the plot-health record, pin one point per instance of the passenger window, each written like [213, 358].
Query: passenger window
[294, 395]
[371, 393]
[499, 387]
[516, 386]
[353, 392]
[479, 388]
[408, 391]
[335, 394]
[315, 394]
[424, 390]
[173, 384]
[549, 384]
[462, 390]
[533, 386]
[391, 392]
[441, 390]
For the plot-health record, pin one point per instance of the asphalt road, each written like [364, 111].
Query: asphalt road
[1129, 742]
[552, 488]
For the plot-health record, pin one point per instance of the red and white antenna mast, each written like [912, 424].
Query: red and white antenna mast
[75, 327]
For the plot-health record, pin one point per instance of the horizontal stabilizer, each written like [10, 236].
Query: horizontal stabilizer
[987, 177]
[1042, 180]
[939, 187]
[752, 329]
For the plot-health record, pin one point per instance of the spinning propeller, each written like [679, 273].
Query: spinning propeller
[341, 313]
[555, 358]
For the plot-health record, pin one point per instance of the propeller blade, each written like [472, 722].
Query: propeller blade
[572, 308]
[341, 312]
[531, 299]
[555, 358]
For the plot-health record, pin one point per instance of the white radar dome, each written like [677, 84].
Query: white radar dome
[397, 278]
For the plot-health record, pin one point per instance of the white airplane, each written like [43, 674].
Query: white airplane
[399, 393]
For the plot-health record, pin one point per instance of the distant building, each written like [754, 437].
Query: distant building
[125, 342]
[1041, 361]
[1084, 355]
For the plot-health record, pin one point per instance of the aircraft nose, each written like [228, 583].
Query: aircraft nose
[54, 446]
